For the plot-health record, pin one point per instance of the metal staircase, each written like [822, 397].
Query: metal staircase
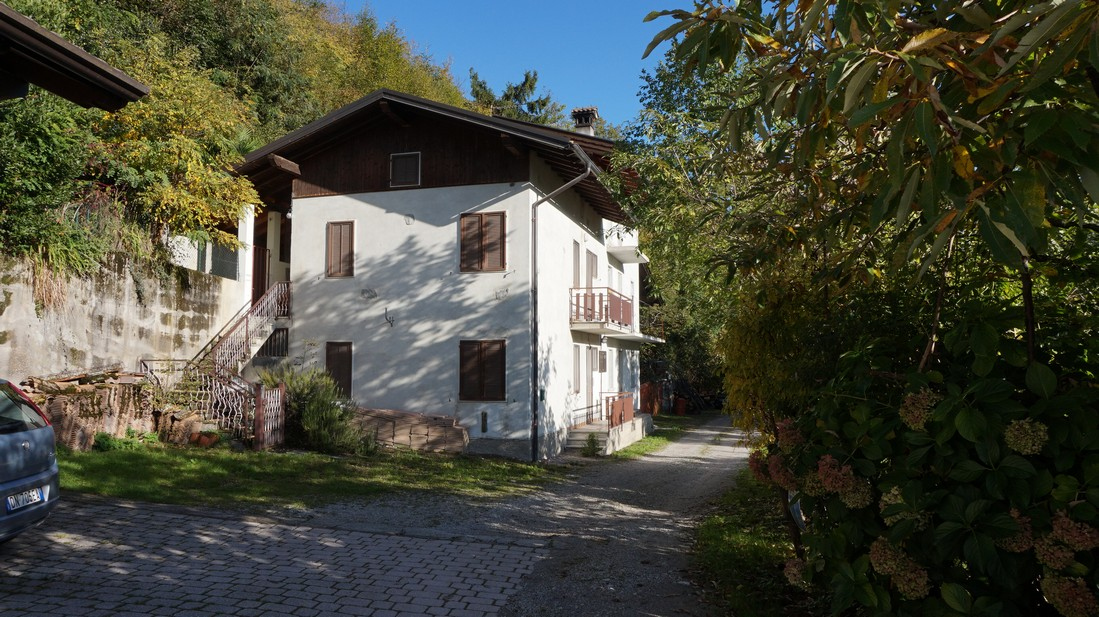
[211, 384]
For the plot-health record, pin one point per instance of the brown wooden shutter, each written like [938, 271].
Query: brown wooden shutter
[469, 379]
[339, 250]
[494, 366]
[493, 232]
[337, 361]
[471, 243]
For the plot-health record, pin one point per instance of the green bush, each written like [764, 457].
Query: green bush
[591, 446]
[105, 442]
[970, 490]
[318, 416]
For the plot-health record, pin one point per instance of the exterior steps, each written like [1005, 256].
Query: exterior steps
[578, 436]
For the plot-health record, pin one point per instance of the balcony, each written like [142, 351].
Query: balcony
[604, 311]
[623, 246]
[600, 310]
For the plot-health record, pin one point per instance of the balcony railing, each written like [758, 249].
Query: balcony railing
[601, 305]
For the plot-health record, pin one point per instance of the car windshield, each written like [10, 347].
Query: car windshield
[16, 415]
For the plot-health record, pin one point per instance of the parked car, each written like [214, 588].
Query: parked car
[29, 487]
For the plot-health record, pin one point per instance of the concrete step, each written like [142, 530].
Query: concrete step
[578, 437]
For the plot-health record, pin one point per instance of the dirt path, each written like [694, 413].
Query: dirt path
[618, 532]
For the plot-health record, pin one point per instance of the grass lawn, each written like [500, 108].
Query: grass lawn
[257, 480]
[666, 429]
[741, 551]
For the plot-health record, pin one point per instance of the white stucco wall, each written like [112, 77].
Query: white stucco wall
[562, 221]
[408, 305]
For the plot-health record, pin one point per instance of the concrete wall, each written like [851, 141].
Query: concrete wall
[121, 314]
[408, 305]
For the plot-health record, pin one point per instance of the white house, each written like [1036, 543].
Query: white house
[451, 263]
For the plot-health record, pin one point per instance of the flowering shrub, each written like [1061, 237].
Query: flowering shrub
[945, 494]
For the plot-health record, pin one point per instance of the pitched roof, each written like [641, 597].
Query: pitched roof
[31, 54]
[569, 154]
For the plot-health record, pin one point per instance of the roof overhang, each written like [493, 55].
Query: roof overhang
[30, 54]
[568, 154]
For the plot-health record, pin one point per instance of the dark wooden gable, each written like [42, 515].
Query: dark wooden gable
[452, 153]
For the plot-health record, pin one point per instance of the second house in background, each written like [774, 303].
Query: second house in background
[451, 263]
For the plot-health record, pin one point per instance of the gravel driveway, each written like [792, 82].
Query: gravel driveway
[618, 532]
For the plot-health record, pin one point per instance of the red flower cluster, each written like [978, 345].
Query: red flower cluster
[1080, 536]
[780, 473]
[788, 435]
[772, 469]
[1058, 549]
[1072, 597]
[854, 492]
[1023, 540]
[757, 463]
[835, 478]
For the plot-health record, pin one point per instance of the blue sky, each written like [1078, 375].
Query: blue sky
[587, 53]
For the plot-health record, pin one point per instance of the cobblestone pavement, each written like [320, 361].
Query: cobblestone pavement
[98, 557]
[612, 539]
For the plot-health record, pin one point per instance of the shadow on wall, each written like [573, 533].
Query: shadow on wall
[405, 312]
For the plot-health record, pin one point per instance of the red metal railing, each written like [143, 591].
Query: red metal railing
[618, 408]
[600, 305]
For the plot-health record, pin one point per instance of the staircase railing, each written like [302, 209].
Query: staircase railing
[244, 337]
[210, 383]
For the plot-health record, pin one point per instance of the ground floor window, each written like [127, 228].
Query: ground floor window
[482, 369]
[337, 361]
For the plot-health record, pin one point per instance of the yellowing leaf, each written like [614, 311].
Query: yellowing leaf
[963, 164]
[928, 38]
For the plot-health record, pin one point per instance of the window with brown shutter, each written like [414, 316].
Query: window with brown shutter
[483, 242]
[337, 361]
[404, 169]
[482, 371]
[340, 250]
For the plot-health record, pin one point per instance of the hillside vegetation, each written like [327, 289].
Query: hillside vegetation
[225, 76]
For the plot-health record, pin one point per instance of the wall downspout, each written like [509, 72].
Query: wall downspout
[535, 386]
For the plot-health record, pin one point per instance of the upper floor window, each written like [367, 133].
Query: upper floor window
[404, 169]
[340, 250]
[482, 242]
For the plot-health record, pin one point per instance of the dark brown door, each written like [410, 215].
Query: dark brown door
[337, 360]
[261, 272]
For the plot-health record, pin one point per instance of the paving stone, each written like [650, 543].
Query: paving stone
[94, 557]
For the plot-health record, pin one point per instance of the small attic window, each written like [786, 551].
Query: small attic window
[404, 169]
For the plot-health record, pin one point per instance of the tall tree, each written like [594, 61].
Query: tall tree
[517, 101]
[940, 192]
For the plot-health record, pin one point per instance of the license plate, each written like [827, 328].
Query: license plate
[24, 499]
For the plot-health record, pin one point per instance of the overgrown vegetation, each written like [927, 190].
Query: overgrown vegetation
[219, 477]
[225, 76]
[741, 551]
[900, 203]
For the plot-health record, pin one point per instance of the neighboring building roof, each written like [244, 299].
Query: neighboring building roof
[569, 154]
[31, 54]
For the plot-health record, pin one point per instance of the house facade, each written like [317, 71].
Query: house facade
[450, 263]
